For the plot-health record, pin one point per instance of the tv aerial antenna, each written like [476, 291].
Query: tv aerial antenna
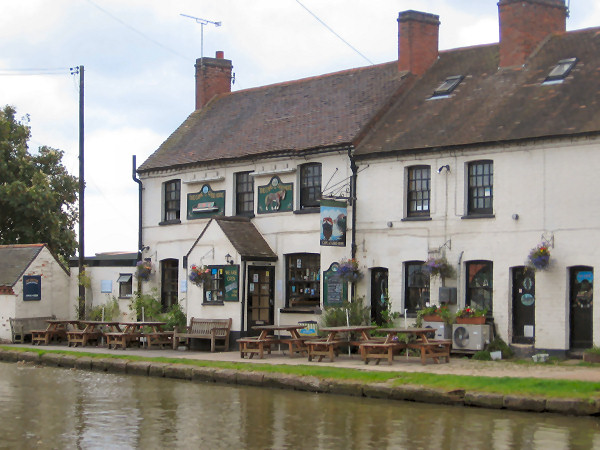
[202, 22]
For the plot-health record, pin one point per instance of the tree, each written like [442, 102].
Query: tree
[37, 195]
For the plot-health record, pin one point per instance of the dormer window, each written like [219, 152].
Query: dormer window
[560, 71]
[446, 88]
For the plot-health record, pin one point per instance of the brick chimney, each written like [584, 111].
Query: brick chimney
[213, 77]
[418, 36]
[524, 24]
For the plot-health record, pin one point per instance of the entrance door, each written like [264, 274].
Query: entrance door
[523, 299]
[581, 300]
[379, 292]
[260, 297]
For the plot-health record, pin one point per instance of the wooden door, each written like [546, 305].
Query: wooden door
[379, 286]
[581, 307]
[523, 300]
[260, 297]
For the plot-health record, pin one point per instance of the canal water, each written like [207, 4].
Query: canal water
[46, 407]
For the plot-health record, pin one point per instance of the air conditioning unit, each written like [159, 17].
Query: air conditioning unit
[470, 337]
[442, 331]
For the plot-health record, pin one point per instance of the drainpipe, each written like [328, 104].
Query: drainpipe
[244, 264]
[354, 169]
[140, 244]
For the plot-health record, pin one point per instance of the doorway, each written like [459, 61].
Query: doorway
[260, 297]
[523, 300]
[581, 307]
[379, 294]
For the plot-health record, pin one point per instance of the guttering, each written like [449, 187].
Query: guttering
[140, 187]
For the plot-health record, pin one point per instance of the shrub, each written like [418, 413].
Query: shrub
[482, 355]
[497, 344]
[152, 307]
[111, 311]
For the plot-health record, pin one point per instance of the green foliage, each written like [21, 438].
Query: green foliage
[150, 303]
[37, 195]
[111, 311]
[442, 311]
[175, 317]
[482, 355]
[593, 351]
[497, 344]
[83, 279]
[335, 316]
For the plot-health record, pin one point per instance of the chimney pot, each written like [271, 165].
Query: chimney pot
[418, 38]
[220, 54]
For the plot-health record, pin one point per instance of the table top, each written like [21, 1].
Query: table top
[97, 322]
[62, 321]
[278, 327]
[349, 328]
[409, 330]
[143, 324]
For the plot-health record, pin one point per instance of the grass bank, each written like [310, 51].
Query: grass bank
[535, 387]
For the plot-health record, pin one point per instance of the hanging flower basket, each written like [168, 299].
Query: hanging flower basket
[539, 257]
[439, 267]
[143, 269]
[348, 271]
[200, 275]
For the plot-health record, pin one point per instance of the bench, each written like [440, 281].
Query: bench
[434, 349]
[322, 348]
[122, 339]
[254, 346]
[160, 339]
[22, 327]
[378, 350]
[211, 329]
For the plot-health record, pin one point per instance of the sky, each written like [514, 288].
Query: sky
[139, 56]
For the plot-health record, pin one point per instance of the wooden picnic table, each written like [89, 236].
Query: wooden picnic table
[91, 332]
[327, 346]
[257, 345]
[56, 329]
[155, 338]
[434, 349]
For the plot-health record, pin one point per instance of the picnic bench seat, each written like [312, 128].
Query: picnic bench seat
[252, 345]
[211, 329]
[378, 350]
[160, 339]
[121, 339]
[82, 337]
[21, 328]
[322, 348]
[434, 349]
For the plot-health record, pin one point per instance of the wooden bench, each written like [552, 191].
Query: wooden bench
[378, 350]
[254, 346]
[160, 339]
[211, 329]
[322, 348]
[21, 328]
[121, 339]
[434, 349]
[82, 337]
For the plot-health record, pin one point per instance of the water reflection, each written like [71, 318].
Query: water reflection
[57, 408]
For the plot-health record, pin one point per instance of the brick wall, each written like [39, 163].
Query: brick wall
[418, 36]
[213, 77]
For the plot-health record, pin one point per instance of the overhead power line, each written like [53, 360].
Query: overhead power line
[337, 35]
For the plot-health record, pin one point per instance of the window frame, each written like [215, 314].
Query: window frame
[447, 86]
[414, 307]
[310, 191]
[473, 290]
[126, 285]
[410, 180]
[172, 197]
[244, 200]
[310, 262]
[214, 293]
[560, 71]
[169, 283]
[478, 188]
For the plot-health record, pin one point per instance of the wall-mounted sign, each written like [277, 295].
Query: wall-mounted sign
[32, 287]
[206, 203]
[333, 222]
[275, 197]
[335, 291]
[231, 275]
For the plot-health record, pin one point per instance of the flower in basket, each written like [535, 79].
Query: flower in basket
[200, 274]
[349, 271]
[539, 257]
[143, 269]
[467, 312]
[431, 312]
[439, 267]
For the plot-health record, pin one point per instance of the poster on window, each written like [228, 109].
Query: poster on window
[333, 222]
[32, 287]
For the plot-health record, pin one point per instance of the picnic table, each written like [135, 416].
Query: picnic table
[88, 331]
[434, 349]
[328, 346]
[157, 337]
[56, 329]
[257, 345]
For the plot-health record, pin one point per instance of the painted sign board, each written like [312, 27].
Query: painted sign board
[206, 203]
[335, 291]
[275, 197]
[333, 222]
[32, 287]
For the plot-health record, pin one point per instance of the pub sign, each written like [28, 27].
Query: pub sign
[32, 287]
[206, 203]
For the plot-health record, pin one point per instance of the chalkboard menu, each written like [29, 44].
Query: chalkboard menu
[335, 291]
[231, 275]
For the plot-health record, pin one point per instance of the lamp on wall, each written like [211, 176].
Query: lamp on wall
[447, 167]
[228, 259]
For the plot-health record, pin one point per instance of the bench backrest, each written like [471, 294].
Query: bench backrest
[26, 324]
[205, 326]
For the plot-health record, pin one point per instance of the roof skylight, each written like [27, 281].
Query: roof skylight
[447, 86]
[560, 71]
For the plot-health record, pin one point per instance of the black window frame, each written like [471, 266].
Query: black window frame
[412, 288]
[172, 201]
[310, 185]
[560, 71]
[478, 294]
[125, 282]
[244, 194]
[447, 86]
[169, 283]
[214, 291]
[415, 195]
[480, 178]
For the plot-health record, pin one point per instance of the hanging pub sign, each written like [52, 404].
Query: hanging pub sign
[32, 287]
[275, 197]
[333, 222]
[335, 291]
[206, 203]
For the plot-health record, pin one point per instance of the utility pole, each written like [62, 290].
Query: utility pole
[81, 299]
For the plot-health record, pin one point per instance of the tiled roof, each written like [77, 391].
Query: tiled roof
[14, 260]
[246, 239]
[492, 105]
[319, 112]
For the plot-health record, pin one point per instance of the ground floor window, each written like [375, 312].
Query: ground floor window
[303, 279]
[169, 269]
[125, 285]
[416, 286]
[480, 285]
[214, 291]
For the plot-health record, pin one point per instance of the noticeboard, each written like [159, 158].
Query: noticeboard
[335, 291]
[32, 287]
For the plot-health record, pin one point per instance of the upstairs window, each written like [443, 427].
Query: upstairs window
[418, 192]
[172, 195]
[244, 194]
[481, 185]
[446, 88]
[560, 71]
[310, 185]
